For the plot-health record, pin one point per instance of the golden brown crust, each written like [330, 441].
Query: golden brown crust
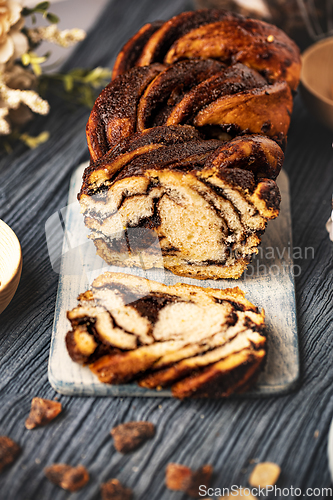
[232, 79]
[236, 154]
[168, 88]
[256, 44]
[132, 146]
[159, 43]
[113, 116]
[131, 51]
[202, 35]
[264, 111]
[222, 378]
[225, 36]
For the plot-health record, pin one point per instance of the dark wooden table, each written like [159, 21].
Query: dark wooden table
[291, 430]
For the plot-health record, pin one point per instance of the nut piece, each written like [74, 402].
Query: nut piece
[114, 490]
[181, 478]
[177, 477]
[67, 477]
[200, 477]
[265, 474]
[129, 436]
[42, 412]
[9, 450]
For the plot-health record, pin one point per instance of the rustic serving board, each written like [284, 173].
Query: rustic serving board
[268, 283]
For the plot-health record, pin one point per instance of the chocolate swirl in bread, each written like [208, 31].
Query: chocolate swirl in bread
[206, 203]
[185, 143]
[201, 342]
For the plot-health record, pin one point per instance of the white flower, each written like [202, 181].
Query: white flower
[4, 125]
[16, 103]
[13, 98]
[13, 43]
[16, 77]
[64, 38]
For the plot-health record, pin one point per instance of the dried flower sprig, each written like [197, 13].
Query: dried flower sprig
[64, 38]
[40, 8]
[23, 82]
[79, 84]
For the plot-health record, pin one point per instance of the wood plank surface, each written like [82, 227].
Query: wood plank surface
[290, 430]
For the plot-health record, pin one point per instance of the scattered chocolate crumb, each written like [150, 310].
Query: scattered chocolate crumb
[181, 478]
[177, 477]
[264, 474]
[114, 490]
[67, 477]
[42, 411]
[202, 476]
[129, 436]
[9, 450]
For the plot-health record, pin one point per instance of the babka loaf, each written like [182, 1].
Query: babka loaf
[185, 144]
[201, 342]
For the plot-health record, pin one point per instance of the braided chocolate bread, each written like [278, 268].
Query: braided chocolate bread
[203, 342]
[185, 144]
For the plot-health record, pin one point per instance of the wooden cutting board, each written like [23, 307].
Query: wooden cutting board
[268, 283]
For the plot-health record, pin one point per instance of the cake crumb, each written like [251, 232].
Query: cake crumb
[264, 474]
[42, 412]
[181, 478]
[316, 434]
[131, 435]
[67, 477]
[9, 451]
[114, 490]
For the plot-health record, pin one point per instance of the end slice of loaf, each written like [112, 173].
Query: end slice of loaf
[201, 342]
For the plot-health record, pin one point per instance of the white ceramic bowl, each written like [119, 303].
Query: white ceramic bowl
[10, 264]
[317, 80]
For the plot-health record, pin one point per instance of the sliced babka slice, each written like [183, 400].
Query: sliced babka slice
[204, 203]
[203, 342]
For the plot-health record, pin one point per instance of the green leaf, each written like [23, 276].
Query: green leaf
[25, 58]
[52, 18]
[68, 83]
[34, 142]
[42, 6]
[26, 12]
[36, 68]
